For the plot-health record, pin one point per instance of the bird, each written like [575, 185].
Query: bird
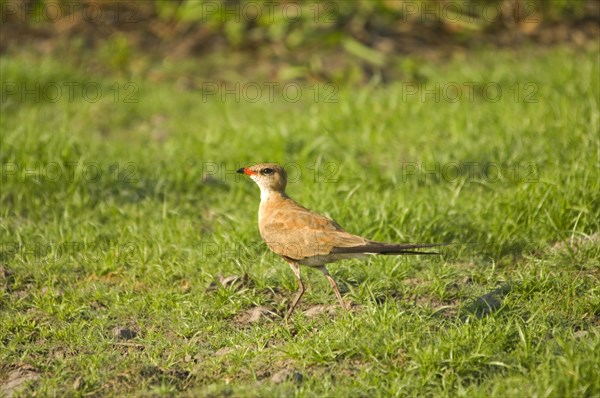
[303, 237]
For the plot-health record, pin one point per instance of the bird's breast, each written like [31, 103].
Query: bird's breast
[271, 210]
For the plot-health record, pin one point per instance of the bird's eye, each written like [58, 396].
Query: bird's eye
[266, 171]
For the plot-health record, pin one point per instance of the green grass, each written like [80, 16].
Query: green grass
[511, 309]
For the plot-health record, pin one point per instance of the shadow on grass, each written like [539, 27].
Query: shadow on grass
[480, 252]
[486, 304]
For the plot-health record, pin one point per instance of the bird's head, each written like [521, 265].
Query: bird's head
[270, 177]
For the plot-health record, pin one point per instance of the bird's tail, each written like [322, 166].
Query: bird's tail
[389, 248]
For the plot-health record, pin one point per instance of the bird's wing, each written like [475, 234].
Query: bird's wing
[296, 232]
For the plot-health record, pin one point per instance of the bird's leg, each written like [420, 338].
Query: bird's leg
[296, 268]
[334, 287]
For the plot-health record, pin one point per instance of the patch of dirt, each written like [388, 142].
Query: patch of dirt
[185, 286]
[256, 314]
[52, 292]
[178, 377]
[443, 308]
[351, 368]
[98, 305]
[224, 351]
[276, 295]
[6, 278]
[381, 298]
[575, 243]
[198, 358]
[580, 334]
[17, 378]
[329, 309]
[7, 282]
[413, 282]
[321, 309]
[447, 311]
[265, 369]
[285, 375]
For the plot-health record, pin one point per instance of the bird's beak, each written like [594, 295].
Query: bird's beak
[246, 170]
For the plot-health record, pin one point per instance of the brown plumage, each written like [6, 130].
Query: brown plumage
[303, 237]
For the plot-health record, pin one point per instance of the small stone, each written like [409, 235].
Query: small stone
[123, 333]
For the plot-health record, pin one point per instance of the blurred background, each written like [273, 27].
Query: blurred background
[191, 41]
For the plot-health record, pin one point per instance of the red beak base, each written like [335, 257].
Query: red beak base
[246, 170]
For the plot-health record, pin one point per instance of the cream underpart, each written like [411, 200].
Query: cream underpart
[265, 193]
